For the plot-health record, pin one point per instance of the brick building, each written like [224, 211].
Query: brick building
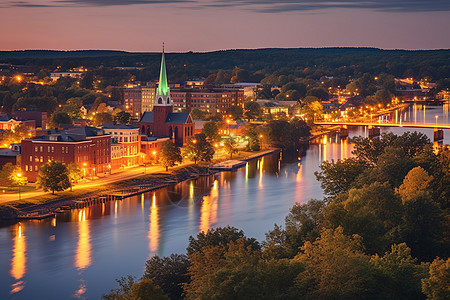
[210, 100]
[88, 147]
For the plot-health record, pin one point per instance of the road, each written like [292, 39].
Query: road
[128, 173]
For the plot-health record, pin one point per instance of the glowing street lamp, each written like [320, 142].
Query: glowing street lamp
[19, 175]
[436, 117]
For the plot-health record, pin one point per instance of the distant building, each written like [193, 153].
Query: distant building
[138, 99]
[163, 121]
[210, 100]
[40, 117]
[58, 75]
[10, 155]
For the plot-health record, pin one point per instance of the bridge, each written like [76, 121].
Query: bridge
[374, 127]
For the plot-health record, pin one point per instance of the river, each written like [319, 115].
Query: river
[80, 253]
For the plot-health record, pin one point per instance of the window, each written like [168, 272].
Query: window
[35, 148]
[26, 167]
[42, 159]
[41, 148]
[31, 158]
[36, 168]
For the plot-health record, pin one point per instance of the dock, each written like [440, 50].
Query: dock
[228, 165]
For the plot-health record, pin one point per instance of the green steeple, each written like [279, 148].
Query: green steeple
[163, 87]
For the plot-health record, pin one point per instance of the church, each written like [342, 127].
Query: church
[162, 121]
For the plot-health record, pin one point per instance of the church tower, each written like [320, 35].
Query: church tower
[163, 103]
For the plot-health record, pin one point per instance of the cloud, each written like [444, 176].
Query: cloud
[270, 6]
[265, 6]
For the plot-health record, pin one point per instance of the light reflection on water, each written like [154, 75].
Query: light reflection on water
[80, 253]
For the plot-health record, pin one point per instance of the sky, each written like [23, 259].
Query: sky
[207, 25]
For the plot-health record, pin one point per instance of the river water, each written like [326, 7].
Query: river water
[80, 253]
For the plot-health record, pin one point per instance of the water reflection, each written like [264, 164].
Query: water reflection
[154, 231]
[208, 211]
[83, 251]
[19, 259]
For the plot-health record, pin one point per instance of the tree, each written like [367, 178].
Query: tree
[169, 154]
[122, 117]
[12, 175]
[253, 139]
[53, 176]
[199, 149]
[252, 110]
[402, 273]
[416, 181]
[198, 114]
[437, 285]
[169, 273]
[230, 146]
[318, 92]
[129, 289]
[102, 118]
[59, 118]
[15, 135]
[338, 176]
[75, 173]
[335, 267]
[236, 112]
[211, 131]
[220, 236]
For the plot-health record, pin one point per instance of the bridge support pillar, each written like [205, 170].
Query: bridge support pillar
[438, 134]
[343, 133]
[374, 131]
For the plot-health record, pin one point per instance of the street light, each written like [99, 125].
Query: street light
[436, 116]
[19, 175]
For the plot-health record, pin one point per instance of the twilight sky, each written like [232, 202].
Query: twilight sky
[205, 25]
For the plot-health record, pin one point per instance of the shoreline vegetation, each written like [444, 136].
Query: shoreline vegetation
[49, 205]
[380, 232]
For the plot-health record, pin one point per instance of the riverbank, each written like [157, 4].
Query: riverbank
[48, 205]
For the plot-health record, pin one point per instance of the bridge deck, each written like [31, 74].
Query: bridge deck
[376, 124]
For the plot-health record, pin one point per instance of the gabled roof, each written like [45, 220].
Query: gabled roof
[147, 117]
[177, 118]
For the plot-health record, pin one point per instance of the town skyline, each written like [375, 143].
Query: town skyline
[142, 26]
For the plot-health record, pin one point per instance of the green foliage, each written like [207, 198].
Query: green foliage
[198, 114]
[199, 149]
[437, 285]
[402, 273]
[12, 175]
[129, 289]
[252, 110]
[416, 181]
[370, 149]
[336, 268]
[53, 176]
[286, 135]
[59, 118]
[211, 131]
[170, 273]
[102, 118]
[253, 139]
[122, 117]
[169, 154]
[301, 225]
[220, 236]
[230, 146]
[75, 172]
[337, 177]
[319, 92]
[15, 135]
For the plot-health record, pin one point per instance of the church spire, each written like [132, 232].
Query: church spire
[163, 87]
